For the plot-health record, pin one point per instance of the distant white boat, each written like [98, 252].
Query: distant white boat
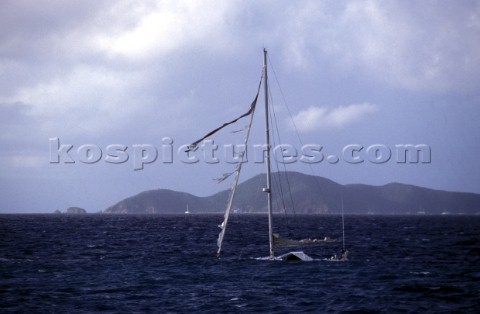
[187, 211]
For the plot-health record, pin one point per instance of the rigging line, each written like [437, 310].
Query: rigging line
[293, 121]
[289, 188]
[274, 122]
[276, 180]
[285, 101]
[296, 132]
[278, 186]
[285, 172]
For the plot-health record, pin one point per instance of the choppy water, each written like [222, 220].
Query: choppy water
[60, 263]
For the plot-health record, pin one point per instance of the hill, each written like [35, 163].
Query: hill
[306, 194]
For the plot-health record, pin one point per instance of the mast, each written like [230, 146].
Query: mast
[268, 189]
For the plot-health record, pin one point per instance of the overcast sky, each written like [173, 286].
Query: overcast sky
[126, 73]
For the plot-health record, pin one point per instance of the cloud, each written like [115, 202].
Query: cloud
[66, 57]
[86, 68]
[425, 46]
[17, 129]
[81, 66]
[165, 28]
[316, 118]
[411, 53]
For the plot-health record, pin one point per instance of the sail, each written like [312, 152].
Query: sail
[238, 168]
[250, 111]
[228, 211]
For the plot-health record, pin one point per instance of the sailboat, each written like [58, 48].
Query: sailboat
[187, 211]
[274, 239]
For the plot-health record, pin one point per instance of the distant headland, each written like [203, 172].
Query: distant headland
[308, 195]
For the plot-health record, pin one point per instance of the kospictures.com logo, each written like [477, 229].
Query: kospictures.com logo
[209, 152]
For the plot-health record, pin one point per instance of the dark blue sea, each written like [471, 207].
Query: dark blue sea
[167, 264]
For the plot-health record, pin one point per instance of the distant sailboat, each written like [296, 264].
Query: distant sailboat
[274, 239]
[187, 211]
